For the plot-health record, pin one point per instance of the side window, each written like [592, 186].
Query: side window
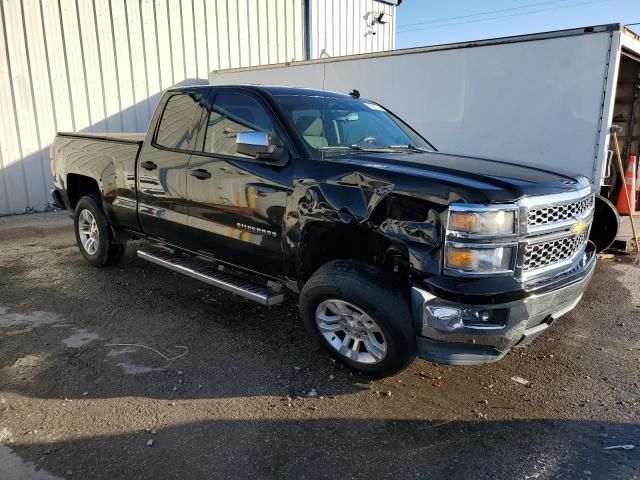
[176, 127]
[231, 114]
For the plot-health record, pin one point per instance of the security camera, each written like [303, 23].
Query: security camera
[384, 18]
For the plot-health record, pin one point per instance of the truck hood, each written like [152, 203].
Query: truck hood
[490, 179]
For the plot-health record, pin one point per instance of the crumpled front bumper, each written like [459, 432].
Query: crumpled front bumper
[458, 343]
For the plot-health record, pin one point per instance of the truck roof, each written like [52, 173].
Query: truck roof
[274, 90]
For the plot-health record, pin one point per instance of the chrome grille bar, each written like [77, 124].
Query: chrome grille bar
[556, 231]
[559, 213]
[542, 254]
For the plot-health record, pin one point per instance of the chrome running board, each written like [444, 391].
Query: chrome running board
[216, 276]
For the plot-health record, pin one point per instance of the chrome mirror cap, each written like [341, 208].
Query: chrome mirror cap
[252, 143]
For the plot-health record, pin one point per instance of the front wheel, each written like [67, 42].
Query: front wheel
[360, 315]
[93, 234]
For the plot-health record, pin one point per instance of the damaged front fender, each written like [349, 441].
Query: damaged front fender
[374, 205]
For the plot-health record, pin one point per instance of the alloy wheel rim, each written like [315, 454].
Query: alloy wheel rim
[88, 232]
[351, 331]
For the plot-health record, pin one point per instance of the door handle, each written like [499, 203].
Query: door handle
[148, 165]
[200, 173]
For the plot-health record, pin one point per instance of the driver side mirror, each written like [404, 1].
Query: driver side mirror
[260, 146]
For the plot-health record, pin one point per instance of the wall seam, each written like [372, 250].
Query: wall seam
[84, 66]
[206, 36]
[46, 56]
[238, 32]
[268, 36]
[157, 39]
[340, 5]
[195, 45]
[100, 67]
[249, 31]
[184, 50]
[277, 35]
[115, 56]
[13, 101]
[173, 75]
[66, 68]
[5, 181]
[259, 33]
[33, 102]
[144, 59]
[286, 32]
[217, 34]
[133, 82]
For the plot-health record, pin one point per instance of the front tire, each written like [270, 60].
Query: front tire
[94, 235]
[360, 315]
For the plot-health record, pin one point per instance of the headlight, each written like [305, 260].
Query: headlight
[479, 260]
[481, 240]
[499, 222]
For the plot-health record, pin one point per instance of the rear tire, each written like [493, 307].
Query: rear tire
[360, 316]
[94, 235]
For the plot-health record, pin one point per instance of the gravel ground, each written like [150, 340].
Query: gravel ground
[226, 394]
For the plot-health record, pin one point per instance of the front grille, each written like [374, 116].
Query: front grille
[538, 255]
[558, 213]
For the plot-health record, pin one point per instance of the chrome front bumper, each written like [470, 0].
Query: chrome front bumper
[456, 342]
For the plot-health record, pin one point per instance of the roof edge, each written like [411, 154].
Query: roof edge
[529, 37]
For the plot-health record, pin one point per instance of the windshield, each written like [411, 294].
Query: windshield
[333, 123]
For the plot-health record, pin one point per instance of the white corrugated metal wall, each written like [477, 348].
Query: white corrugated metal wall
[99, 65]
[349, 27]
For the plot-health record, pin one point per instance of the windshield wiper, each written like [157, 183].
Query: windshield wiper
[410, 146]
[357, 147]
[336, 147]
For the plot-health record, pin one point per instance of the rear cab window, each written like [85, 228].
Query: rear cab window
[177, 128]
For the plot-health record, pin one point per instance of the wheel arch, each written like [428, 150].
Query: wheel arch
[322, 242]
[80, 185]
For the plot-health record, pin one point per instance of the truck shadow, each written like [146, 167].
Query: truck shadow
[346, 448]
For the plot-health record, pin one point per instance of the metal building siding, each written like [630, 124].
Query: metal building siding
[100, 65]
[348, 27]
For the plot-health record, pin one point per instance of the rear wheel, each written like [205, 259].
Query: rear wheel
[360, 315]
[94, 235]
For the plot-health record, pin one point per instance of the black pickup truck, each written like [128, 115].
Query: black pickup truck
[394, 248]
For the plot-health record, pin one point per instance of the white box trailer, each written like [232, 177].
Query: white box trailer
[547, 99]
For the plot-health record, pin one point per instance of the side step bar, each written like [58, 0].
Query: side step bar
[213, 276]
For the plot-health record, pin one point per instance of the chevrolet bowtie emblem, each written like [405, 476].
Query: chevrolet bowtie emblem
[579, 227]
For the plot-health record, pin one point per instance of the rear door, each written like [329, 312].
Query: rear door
[163, 162]
[237, 203]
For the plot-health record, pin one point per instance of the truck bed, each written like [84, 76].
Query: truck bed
[108, 136]
[109, 159]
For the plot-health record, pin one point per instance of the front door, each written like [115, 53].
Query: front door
[237, 202]
[162, 166]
